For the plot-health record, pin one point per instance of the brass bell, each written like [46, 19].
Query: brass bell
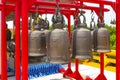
[81, 42]
[92, 29]
[102, 38]
[37, 42]
[58, 45]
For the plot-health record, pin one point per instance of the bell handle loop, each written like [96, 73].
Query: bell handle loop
[84, 19]
[92, 26]
[81, 14]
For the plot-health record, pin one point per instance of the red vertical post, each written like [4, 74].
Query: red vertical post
[69, 28]
[77, 64]
[17, 40]
[101, 76]
[117, 39]
[4, 55]
[102, 63]
[24, 39]
[76, 75]
[68, 71]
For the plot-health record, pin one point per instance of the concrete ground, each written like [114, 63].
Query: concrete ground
[83, 69]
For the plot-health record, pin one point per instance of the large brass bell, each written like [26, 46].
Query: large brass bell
[102, 38]
[58, 45]
[46, 31]
[37, 42]
[81, 41]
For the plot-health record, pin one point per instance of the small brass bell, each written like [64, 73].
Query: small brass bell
[102, 38]
[58, 45]
[81, 42]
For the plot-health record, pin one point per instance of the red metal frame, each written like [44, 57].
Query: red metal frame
[101, 75]
[24, 40]
[26, 6]
[117, 40]
[4, 55]
[17, 39]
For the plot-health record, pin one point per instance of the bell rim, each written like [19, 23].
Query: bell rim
[103, 51]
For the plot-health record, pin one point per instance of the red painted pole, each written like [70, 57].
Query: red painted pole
[69, 28]
[68, 72]
[102, 54]
[101, 76]
[17, 40]
[118, 40]
[76, 75]
[4, 54]
[102, 63]
[24, 39]
[77, 64]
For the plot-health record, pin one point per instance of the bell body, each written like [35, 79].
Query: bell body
[103, 40]
[37, 44]
[58, 46]
[29, 32]
[81, 44]
[46, 32]
[92, 39]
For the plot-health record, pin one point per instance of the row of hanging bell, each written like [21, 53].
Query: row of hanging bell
[81, 41]
[58, 43]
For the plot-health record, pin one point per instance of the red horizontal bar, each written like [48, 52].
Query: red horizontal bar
[49, 12]
[66, 5]
[11, 1]
[3, 44]
[89, 1]
[99, 2]
[52, 10]
[72, 12]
